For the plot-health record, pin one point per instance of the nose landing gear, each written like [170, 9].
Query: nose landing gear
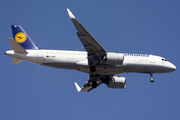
[152, 79]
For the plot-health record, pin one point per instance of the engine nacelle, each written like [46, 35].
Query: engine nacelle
[114, 58]
[117, 82]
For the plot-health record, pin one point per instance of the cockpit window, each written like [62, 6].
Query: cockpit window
[164, 60]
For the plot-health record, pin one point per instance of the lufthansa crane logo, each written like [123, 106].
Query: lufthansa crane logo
[20, 37]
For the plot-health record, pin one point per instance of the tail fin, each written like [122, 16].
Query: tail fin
[22, 38]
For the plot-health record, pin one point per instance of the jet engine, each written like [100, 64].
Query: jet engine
[114, 58]
[117, 82]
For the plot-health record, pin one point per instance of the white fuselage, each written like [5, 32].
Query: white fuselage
[77, 60]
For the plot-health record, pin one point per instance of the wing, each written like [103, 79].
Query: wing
[95, 53]
[87, 87]
[94, 81]
[93, 48]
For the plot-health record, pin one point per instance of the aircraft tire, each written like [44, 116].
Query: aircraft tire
[94, 84]
[151, 80]
[93, 69]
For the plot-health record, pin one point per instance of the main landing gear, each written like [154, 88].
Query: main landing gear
[93, 69]
[94, 84]
[152, 79]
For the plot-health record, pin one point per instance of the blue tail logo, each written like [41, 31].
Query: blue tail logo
[22, 38]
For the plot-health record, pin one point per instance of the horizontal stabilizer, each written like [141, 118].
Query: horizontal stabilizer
[16, 47]
[16, 61]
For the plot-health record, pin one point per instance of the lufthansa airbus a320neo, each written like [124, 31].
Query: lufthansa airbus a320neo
[102, 66]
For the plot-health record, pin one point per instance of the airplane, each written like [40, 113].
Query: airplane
[102, 66]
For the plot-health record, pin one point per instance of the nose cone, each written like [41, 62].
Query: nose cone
[173, 67]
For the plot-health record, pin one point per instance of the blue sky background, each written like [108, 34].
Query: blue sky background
[32, 92]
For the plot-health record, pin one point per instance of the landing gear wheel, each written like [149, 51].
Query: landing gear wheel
[93, 68]
[94, 84]
[152, 80]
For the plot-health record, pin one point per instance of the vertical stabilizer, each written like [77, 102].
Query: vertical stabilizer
[22, 38]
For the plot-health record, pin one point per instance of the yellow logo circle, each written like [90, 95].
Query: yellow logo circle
[20, 37]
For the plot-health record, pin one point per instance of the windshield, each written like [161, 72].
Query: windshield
[164, 59]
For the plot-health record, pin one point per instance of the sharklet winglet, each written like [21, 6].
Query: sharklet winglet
[77, 87]
[70, 14]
